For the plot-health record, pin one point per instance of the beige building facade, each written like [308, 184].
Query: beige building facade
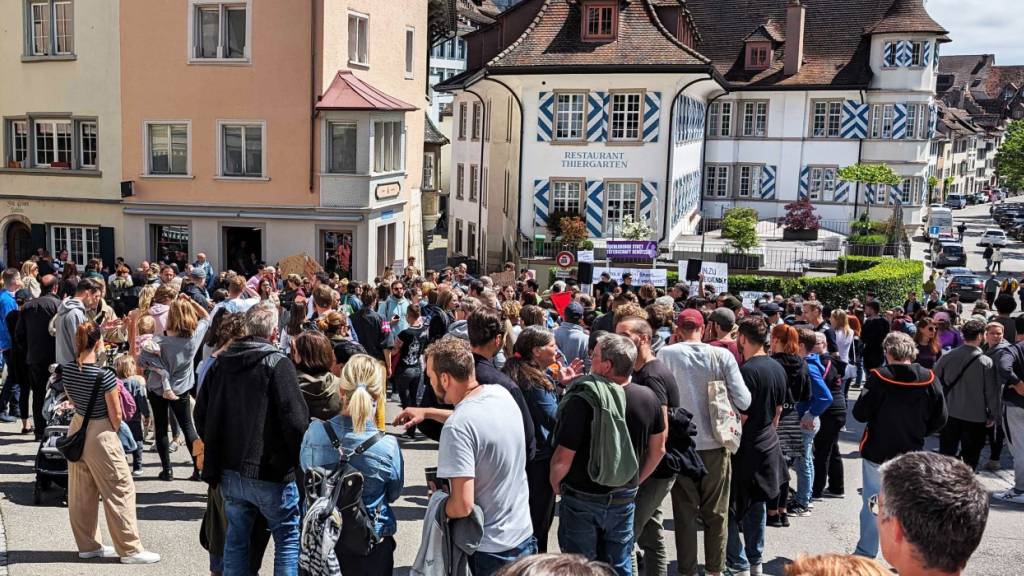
[60, 107]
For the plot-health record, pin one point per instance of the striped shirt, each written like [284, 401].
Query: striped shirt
[79, 384]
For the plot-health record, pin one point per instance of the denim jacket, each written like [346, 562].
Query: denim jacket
[543, 404]
[381, 466]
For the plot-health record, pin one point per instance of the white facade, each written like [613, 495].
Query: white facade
[447, 59]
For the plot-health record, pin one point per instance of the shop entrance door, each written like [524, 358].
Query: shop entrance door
[18, 238]
[336, 252]
[243, 248]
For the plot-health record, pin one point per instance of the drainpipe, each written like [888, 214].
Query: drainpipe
[671, 148]
[519, 175]
[480, 189]
[313, 98]
[703, 180]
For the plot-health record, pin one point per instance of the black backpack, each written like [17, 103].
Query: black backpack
[338, 492]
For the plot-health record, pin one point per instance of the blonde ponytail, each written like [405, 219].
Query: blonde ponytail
[363, 383]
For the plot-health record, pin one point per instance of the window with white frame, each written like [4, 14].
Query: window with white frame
[827, 118]
[566, 196]
[474, 182]
[620, 199]
[478, 111]
[342, 147]
[220, 30]
[821, 183]
[917, 54]
[167, 149]
[716, 181]
[881, 121]
[460, 176]
[569, 115]
[387, 155]
[88, 149]
[50, 28]
[17, 141]
[429, 172]
[410, 37]
[358, 41]
[720, 119]
[889, 54]
[626, 116]
[755, 118]
[242, 149]
[463, 109]
[749, 180]
[81, 242]
[53, 142]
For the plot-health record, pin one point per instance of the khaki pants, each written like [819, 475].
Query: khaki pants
[102, 471]
[648, 526]
[708, 498]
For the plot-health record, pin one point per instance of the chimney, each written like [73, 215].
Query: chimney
[794, 51]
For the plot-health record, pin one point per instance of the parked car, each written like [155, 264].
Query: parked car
[978, 198]
[967, 286]
[1012, 221]
[955, 201]
[993, 237]
[949, 254]
[958, 271]
[936, 242]
[1017, 231]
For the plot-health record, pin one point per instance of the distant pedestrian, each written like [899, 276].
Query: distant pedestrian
[987, 255]
[961, 228]
[991, 288]
[997, 259]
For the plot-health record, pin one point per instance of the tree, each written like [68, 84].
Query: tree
[871, 174]
[1010, 158]
[800, 216]
[740, 226]
[932, 183]
[573, 229]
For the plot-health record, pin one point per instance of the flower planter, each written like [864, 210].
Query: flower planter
[788, 234]
[741, 261]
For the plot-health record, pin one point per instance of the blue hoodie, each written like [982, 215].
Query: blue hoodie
[821, 398]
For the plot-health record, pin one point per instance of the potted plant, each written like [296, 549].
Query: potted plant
[555, 221]
[574, 231]
[740, 227]
[801, 223]
[631, 229]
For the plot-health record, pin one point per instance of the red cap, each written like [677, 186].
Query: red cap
[690, 319]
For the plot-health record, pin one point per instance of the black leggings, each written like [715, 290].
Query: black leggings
[542, 500]
[828, 463]
[38, 376]
[182, 413]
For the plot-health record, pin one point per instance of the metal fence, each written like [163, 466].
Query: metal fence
[766, 230]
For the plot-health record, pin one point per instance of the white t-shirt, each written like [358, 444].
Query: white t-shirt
[483, 440]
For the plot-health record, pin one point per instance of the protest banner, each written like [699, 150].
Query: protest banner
[716, 275]
[749, 298]
[656, 276]
[504, 278]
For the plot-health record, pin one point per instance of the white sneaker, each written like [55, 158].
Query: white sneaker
[144, 557]
[1011, 495]
[104, 552]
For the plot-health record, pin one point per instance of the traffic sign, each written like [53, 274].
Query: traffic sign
[565, 259]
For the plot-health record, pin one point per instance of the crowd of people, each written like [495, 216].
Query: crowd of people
[606, 402]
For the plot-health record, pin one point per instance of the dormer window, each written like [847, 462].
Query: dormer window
[759, 55]
[600, 20]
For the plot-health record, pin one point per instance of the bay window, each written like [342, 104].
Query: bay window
[343, 146]
[387, 136]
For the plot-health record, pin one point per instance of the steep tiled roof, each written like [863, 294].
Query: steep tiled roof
[770, 30]
[975, 84]
[553, 39]
[836, 41]
[907, 16]
[431, 135]
[347, 92]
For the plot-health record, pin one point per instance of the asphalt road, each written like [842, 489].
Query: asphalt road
[977, 220]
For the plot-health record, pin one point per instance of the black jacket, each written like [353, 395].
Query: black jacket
[873, 333]
[33, 330]
[250, 414]
[901, 404]
[681, 455]
[486, 373]
[439, 322]
[369, 327]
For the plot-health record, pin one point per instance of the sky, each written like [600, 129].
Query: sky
[981, 27]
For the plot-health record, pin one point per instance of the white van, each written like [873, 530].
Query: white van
[940, 220]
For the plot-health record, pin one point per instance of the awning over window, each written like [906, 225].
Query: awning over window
[347, 92]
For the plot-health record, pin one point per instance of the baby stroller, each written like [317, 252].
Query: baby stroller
[51, 466]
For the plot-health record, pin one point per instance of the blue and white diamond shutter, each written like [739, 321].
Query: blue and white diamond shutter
[648, 190]
[899, 122]
[896, 193]
[652, 113]
[768, 182]
[842, 190]
[889, 53]
[926, 54]
[540, 203]
[545, 116]
[904, 53]
[595, 207]
[805, 183]
[869, 193]
[855, 120]
[604, 116]
[595, 116]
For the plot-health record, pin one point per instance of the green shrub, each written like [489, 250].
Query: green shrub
[890, 280]
[851, 264]
[740, 226]
[869, 239]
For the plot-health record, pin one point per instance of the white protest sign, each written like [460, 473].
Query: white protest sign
[749, 298]
[657, 276]
[398, 267]
[716, 275]
[585, 256]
